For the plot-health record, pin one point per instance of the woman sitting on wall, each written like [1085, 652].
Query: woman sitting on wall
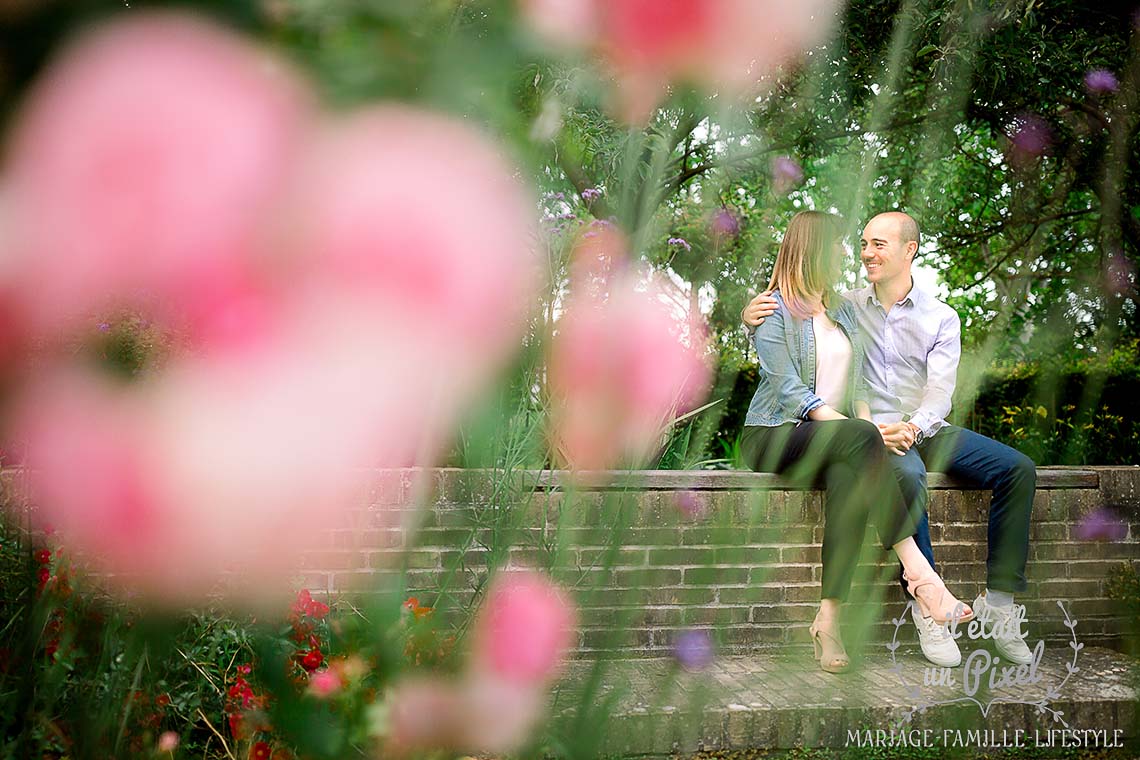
[809, 420]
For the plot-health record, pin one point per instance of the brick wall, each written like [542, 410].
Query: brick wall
[653, 553]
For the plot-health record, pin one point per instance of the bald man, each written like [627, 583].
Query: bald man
[913, 344]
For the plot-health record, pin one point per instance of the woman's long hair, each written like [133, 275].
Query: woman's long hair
[802, 271]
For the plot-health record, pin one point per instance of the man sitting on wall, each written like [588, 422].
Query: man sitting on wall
[912, 348]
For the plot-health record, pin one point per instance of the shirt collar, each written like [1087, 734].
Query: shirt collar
[915, 295]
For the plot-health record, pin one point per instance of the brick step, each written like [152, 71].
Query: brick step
[782, 701]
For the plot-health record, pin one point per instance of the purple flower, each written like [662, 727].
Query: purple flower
[104, 327]
[786, 173]
[1031, 136]
[1101, 81]
[681, 242]
[691, 505]
[724, 224]
[1101, 525]
[591, 194]
[597, 226]
[694, 650]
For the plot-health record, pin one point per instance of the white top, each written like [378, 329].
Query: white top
[832, 361]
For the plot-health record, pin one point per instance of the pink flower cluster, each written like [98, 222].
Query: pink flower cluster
[622, 364]
[314, 264]
[521, 636]
[734, 46]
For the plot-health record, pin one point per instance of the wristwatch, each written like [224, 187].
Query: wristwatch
[919, 436]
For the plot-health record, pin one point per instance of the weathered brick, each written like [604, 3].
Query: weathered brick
[969, 532]
[681, 596]
[750, 594]
[704, 576]
[783, 613]
[801, 554]
[1048, 531]
[363, 581]
[801, 592]
[780, 574]
[714, 615]
[332, 560]
[650, 577]
[624, 557]
[774, 534]
[719, 535]
[745, 555]
[611, 638]
[676, 557]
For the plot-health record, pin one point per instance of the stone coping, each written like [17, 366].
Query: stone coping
[737, 480]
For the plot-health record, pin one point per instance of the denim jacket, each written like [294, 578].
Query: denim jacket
[786, 348]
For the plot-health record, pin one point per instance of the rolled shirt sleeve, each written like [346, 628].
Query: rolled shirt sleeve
[796, 399]
[941, 375]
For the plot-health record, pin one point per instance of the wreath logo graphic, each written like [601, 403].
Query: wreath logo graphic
[1043, 705]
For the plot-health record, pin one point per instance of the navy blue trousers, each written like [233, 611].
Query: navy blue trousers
[983, 463]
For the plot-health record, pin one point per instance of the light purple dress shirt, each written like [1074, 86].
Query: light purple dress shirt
[912, 357]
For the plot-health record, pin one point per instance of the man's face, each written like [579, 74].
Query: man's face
[884, 254]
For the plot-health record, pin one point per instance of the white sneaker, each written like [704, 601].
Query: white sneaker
[937, 644]
[1002, 624]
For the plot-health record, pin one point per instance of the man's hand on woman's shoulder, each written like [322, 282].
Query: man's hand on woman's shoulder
[758, 309]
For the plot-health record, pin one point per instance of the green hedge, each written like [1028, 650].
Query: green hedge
[1055, 415]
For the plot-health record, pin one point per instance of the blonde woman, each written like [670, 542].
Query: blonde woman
[809, 420]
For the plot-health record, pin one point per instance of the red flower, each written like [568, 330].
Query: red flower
[244, 669]
[162, 700]
[317, 610]
[43, 576]
[260, 751]
[301, 604]
[302, 630]
[413, 606]
[312, 660]
[43, 556]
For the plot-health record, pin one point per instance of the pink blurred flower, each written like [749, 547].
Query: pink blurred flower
[1101, 82]
[724, 224]
[730, 45]
[1032, 138]
[694, 650]
[619, 370]
[524, 628]
[479, 713]
[141, 168]
[325, 683]
[168, 741]
[207, 472]
[786, 174]
[692, 505]
[405, 217]
[1101, 525]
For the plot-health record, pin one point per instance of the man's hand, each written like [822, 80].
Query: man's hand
[758, 309]
[898, 437]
